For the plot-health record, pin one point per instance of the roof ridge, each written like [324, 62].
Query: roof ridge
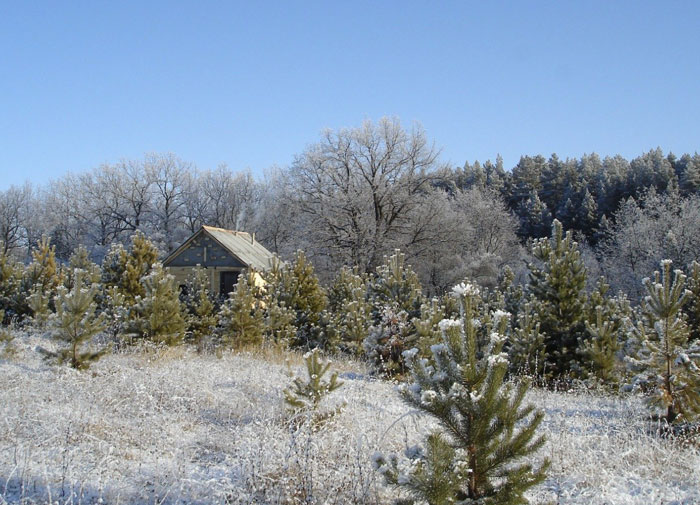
[215, 228]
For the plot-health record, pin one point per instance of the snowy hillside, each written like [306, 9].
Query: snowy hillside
[181, 428]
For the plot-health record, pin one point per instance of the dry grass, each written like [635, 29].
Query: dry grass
[175, 427]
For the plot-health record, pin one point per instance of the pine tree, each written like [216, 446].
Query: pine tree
[602, 347]
[557, 285]
[306, 394]
[12, 302]
[669, 366]
[397, 285]
[43, 273]
[692, 308]
[535, 217]
[6, 338]
[387, 340]
[395, 296]
[199, 307]
[527, 344]
[117, 318]
[138, 263]
[513, 294]
[278, 323]
[295, 287]
[484, 431]
[607, 324]
[75, 323]
[158, 316]
[113, 267]
[241, 318]
[80, 260]
[427, 329]
[42, 278]
[350, 310]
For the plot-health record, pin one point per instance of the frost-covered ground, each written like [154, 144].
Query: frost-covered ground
[182, 428]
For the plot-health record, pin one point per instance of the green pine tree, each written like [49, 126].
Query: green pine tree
[350, 310]
[607, 324]
[200, 309]
[41, 282]
[6, 338]
[12, 301]
[484, 432]
[602, 347]
[557, 284]
[75, 323]
[427, 329]
[158, 316]
[395, 284]
[117, 313]
[80, 260]
[242, 318]
[692, 307]
[113, 267]
[138, 263]
[306, 394]
[527, 349]
[296, 288]
[278, 323]
[669, 366]
[126, 269]
[512, 293]
[387, 340]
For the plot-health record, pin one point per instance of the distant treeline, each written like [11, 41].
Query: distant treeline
[358, 194]
[583, 194]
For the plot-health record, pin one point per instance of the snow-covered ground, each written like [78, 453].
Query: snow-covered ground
[178, 427]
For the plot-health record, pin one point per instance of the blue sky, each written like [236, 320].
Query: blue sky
[251, 84]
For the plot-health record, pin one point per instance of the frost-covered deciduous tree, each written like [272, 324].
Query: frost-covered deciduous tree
[646, 230]
[669, 366]
[359, 186]
[476, 455]
[14, 204]
[169, 176]
[75, 322]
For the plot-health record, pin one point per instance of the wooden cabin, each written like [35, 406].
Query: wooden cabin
[223, 253]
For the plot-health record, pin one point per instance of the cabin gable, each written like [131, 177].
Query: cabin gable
[204, 251]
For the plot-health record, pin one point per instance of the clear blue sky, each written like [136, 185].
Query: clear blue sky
[251, 84]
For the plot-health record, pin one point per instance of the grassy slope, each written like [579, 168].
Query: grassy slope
[201, 429]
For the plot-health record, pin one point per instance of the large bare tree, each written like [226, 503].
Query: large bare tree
[169, 176]
[359, 187]
[14, 211]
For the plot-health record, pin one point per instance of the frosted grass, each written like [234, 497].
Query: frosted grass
[182, 428]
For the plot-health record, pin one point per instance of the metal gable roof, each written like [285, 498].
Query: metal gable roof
[243, 246]
[239, 243]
